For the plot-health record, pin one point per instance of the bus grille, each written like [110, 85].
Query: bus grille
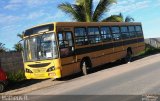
[39, 65]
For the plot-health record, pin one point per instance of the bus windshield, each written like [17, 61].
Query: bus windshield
[40, 47]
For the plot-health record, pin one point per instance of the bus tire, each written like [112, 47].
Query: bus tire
[128, 57]
[85, 67]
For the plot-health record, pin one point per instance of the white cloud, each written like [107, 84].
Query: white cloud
[123, 2]
[16, 4]
[37, 2]
[58, 16]
[9, 28]
[35, 15]
[8, 19]
[12, 7]
[16, 1]
[129, 6]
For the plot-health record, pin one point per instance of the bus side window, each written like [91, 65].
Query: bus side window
[61, 40]
[106, 34]
[124, 32]
[139, 31]
[69, 38]
[65, 44]
[94, 35]
[116, 33]
[81, 36]
[132, 31]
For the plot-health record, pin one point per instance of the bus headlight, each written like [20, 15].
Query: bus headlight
[28, 71]
[50, 69]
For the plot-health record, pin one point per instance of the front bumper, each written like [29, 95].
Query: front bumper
[54, 74]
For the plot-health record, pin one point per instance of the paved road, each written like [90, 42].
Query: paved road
[141, 81]
[129, 80]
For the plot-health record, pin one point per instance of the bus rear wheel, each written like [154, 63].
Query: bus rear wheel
[85, 66]
[128, 57]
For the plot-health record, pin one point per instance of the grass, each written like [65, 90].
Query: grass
[16, 76]
[149, 50]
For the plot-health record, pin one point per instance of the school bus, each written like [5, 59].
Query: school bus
[59, 49]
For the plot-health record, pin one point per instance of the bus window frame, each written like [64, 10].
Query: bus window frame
[109, 27]
[132, 32]
[139, 33]
[94, 35]
[84, 37]
[125, 32]
[116, 33]
[70, 48]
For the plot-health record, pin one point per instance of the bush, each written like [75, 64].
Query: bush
[16, 76]
[149, 50]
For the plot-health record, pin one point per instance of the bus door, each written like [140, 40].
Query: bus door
[66, 48]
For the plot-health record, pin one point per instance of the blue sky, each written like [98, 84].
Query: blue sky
[17, 15]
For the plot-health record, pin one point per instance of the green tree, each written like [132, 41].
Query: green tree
[2, 47]
[83, 10]
[119, 18]
[114, 18]
[129, 19]
[20, 36]
[18, 46]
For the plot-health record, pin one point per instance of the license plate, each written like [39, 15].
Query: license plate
[39, 75]
[38, 70]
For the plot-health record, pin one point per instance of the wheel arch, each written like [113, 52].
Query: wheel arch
[87, 59]
[129, 49]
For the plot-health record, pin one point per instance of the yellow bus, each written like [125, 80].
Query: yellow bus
[59, 49]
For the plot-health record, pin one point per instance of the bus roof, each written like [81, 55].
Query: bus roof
[88, 24]
[95, 23]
